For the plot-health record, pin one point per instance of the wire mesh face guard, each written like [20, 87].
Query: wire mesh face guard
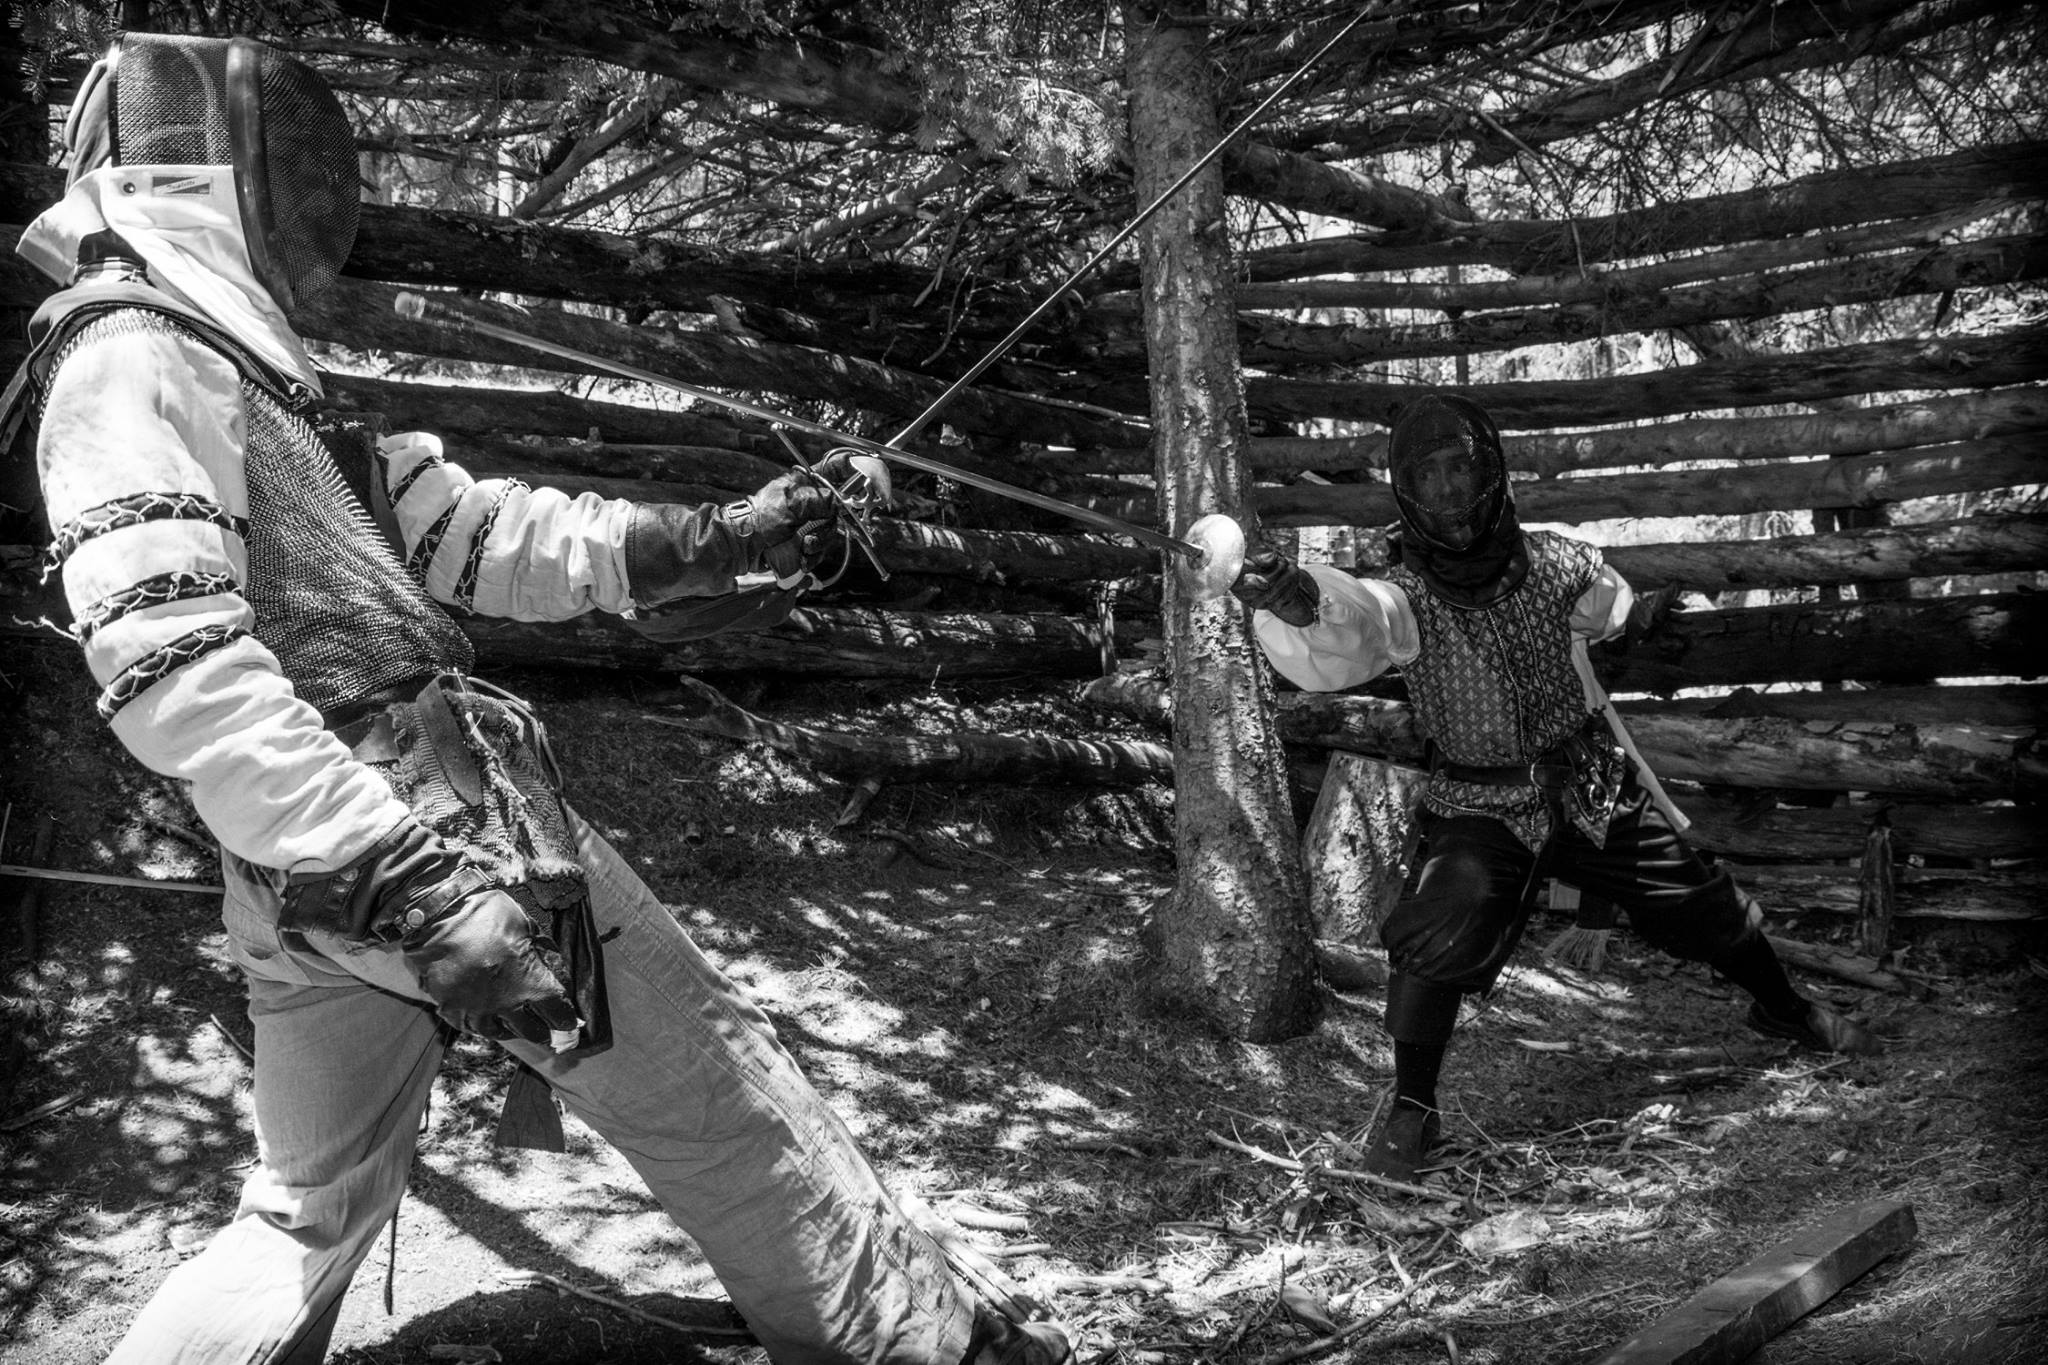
[1449, 475]
[183, 101]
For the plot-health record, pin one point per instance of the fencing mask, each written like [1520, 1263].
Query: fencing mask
[1450, 478]
[172, 100]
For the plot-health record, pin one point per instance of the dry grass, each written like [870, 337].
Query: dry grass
[964, 972]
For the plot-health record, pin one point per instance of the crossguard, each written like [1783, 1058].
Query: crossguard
[866, 489]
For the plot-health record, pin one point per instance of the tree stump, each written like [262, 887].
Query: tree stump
[1359, 840]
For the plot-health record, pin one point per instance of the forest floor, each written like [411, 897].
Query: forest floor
[962, 971]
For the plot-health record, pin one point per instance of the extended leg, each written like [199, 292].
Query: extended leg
[1684, 907]
[1451, 937]
[745, 1155]
[342, 1074]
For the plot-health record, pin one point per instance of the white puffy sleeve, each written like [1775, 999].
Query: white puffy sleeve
[1363, 627]
[497, 548]
[1601, 613]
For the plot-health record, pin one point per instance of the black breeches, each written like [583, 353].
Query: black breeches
[1466, 914]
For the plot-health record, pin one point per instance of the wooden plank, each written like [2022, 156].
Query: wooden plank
[1728, 1320]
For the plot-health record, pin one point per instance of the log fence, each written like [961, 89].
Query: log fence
[1894, 684]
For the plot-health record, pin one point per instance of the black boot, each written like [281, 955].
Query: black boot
[1403, 1140]
[1818, 1027]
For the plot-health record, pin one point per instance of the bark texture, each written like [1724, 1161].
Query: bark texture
[1234, 937]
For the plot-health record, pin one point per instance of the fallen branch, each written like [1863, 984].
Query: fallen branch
[1861, 971]
[1338, 1173]
[228, 1034]
[1105, 1284]
[540, 1279]
[41, 1112]
[1356, 1329]
[51, 874]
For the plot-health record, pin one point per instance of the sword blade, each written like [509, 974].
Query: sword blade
[423, 309]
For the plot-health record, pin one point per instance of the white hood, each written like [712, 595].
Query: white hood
[185, 223]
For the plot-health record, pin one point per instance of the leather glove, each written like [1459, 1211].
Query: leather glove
[476, 953]
[792, 521]
[1270, 581]
[1648, 613]
[471, 946]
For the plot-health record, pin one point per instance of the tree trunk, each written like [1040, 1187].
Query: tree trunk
[1234, 937]
[1356, 848]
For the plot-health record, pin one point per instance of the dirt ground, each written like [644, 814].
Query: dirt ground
[962, 972]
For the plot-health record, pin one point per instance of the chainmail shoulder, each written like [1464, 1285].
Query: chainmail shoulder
[331, 599]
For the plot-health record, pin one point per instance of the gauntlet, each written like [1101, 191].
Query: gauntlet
[479, 956]
[1273, 582]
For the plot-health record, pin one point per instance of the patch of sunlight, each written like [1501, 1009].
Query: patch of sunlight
[200, 1074]
[1261, 1063]
[116, 960]
[937, 1044]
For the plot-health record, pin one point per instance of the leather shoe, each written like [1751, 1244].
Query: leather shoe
[999, 1341]
[1819, 1028]
[1403, 1140]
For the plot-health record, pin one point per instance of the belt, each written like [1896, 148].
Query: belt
[1551, 771]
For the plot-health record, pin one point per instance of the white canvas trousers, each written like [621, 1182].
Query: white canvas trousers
[696, 1092]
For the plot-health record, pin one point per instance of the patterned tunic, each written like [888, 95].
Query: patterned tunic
[1491, 685]
[1495, 686]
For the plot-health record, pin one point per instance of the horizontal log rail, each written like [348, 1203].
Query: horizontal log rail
[1567, 309]
[1971, 546]
[2019, 707]
[1992, 544]
[1939, 762]
[2017, 356]
[1919, 893]
[835, 642]
[1759, 830]
[1851, 481]
[1914, 640]
[1596, 285]
[1277, 342]
[359, 314]
[1854, 431]
[1994, 175]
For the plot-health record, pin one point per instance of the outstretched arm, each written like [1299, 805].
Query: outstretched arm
[495, 547]
[1357, 629]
